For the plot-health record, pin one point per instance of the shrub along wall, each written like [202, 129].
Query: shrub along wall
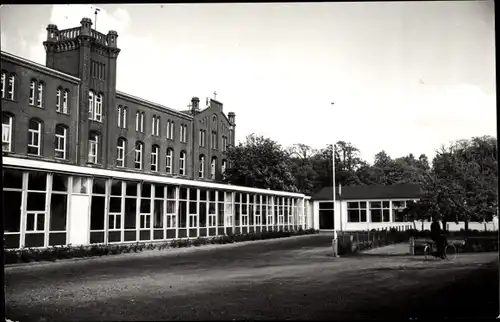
[53, 253]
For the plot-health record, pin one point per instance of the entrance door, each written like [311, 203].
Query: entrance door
[79, 220]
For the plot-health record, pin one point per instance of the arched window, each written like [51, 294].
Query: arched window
[137, 118]
[155, 126]
[168, 165]
[122, 117]
[59, 99]
[34, 137]
[7, 124]
[61, 142]
[182, 163]
[213, 166]
[139, 151]
[155, 150]
[94, 140]
[214, 140]
[201, 171]
[121, 147]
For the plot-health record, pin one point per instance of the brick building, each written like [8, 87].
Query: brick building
[70, 135]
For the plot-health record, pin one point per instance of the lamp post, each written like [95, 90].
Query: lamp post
[335, 240]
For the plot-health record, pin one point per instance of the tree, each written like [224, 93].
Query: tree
[301, 167]
[261, 163]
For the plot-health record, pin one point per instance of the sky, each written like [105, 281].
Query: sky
[404, 77]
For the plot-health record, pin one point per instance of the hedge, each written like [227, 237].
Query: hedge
[26, 255]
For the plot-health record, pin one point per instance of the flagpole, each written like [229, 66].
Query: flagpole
[335, 240]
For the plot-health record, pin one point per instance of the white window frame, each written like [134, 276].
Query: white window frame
[168, 164]
[32, 92]
[94, 145]
[61, 140]
[212, 220]
[124, 119]
[31, 138]
[91, 105]
[137, 116]
[138, 155]
[182, 163]
[143, 224]
[4, 83]
[120, 108]
[142, 122]
[171, 220]
[153, 126]
[7, 133]
[120, 153]
[35, 214]
[223, 167]
[117, 217]
[213, 164]
[168, 129]
[58, 100]
[39, 101]
[201, 170]
[12, 86]
[65, 102]
[154, 157]
[98, 108]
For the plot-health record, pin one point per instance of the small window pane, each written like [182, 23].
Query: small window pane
[37, 181]
[12, 178]
[60, 182]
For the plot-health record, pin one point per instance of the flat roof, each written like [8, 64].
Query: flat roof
[371, 192]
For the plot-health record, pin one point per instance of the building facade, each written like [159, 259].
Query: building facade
[84, 163]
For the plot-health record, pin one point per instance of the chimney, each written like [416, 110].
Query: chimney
[86, 25]
[52, 33]
[195, 101]
[231, 116]
[111, 38]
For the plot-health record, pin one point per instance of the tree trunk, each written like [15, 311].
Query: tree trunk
[466, 226]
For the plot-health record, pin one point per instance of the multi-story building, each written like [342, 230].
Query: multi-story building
[84, 163]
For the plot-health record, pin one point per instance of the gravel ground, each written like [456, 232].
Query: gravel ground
[293, 278]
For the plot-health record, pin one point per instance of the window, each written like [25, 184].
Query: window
[12, 86]
[202, 138]
[65, 101]
[356, 211]
[223, 169]
[182, 163]
[32, 92]
[7, 132]
[60, 143]
[398, 213]
[213, 167]
[138, 155]
[39, 101]
[139, 121]
[58, 99]
[95, 106]
[4, 81]
[224, 143]
[380, 211]
[170, 153]
[122, 117]
[34, 139]
[154, 158]
[170, 130]
[213, 142]
[155, 126]
[183, 133]
[93, 147]
[120, 152]
[202, 166]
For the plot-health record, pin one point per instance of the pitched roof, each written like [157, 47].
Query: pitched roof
[400, 191]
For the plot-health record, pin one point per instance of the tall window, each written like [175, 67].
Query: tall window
[224, 143]
[93, 147]
[7, 132]
[139, 121]
[202, 138]
[182, 163]
[168, 166]
[65, 101]
[139, 149]
[183, 133]
[214, 140]
[155, 126]
[120, 152]
[95, 106]
[213, 166]
[224, 167]
[154, 158]
[170, 129]
[4, 83]
[32, 92]
[39, 101]
[34, 137]
[58, 99]
[61, 141]
[8, 92]
[122, 117]
[201, 167]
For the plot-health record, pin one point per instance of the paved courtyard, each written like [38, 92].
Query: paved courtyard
[293, 278]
